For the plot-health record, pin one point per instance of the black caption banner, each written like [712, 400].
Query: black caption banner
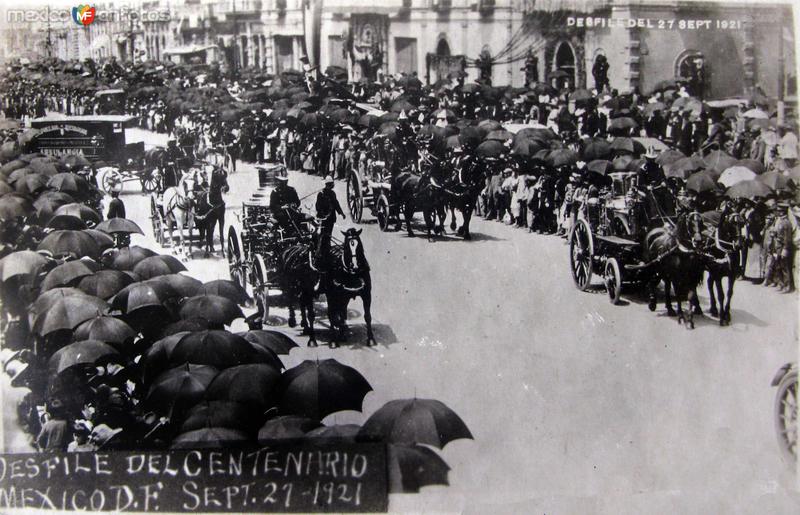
[307, 478]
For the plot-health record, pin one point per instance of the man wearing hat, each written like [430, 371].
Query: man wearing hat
[283, 203]
[327, 206]
[779, 261]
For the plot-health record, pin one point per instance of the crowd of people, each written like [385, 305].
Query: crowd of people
[544, 148]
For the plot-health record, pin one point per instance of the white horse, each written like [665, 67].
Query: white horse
[178, 205]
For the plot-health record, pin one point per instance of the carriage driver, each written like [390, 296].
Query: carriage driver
[171, 174]
[327, 207]
[284, 205]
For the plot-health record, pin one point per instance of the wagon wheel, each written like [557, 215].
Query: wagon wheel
[786, 416]
[581, 251]
[613, 280]
[355, 197]
[155, 221]
[110, 178]
[149, 181]
[261, 287]
[234, 254]
[382, 212]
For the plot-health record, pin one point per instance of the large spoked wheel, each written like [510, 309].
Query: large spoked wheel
[110, 178]
[149, 181]
[261, 287]
[613, 280]
[581, 250]
[382, 212]
[355, 198]
[786, 416]
[234, 255]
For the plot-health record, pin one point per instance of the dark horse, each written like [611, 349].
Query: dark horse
[347, 277]
[680, 267]
[210, 210]
[723, 259]
[462, 191]
[411, 193]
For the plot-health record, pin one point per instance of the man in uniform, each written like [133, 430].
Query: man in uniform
[283, 204]
[779, 272]
[171, 173]
[327, 207]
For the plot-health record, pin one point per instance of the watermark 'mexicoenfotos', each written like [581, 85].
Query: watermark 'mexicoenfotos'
[84, 15]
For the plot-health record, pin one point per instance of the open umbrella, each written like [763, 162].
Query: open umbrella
[47, 203]
[21, 263]
[341, 433]
[600, 166]
[622, 124]
[719, 161]
[179, 388]
[70, 243]
[749, 189]
[158, 265]
[562, 157]
[254, 385]
[119, 225]
[412, 467]
[68, 183]
[316, 389]
[581, 95]
[140, 295]
[224, 288]
[669, 156]
[211, 438]
[214, 308]
[13, 206]
[499, 135]
[629, 145]
[595, 148]
[67, 312]
[735, 174]
[275, 341]
[490, 148]
[756, 113]
[68, 273]
[220, 349]
[776, 180]
[684, 167]
[184, 285]
[702, 182]
[86, 352]
[31, 183]
[286, 427]
[5, 188]
[794, 174]
[105, 329]
[412, 421]
[757, 167]
[126, 258]
[105, 283]
[224, 414]
[66, 223]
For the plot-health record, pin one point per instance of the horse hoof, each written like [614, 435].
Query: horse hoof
[651, 305]
[371, 342]
[292, 322]
[714, 313]
[467, 237]
[452, 227]
[698, 312]
[312, 343]
[670, 313]
[334, 345]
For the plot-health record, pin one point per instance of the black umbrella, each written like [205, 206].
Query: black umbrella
[66, 223]
[275, 341]
[13, 206]
[286, 427]
[411, 421]
[69, 243]
[211, 438]
[217, 310]
[490, 148]
[223, 414]
[158, 265]
[413, 466]
[68, 273]
[105, 329]
[105, 283]
[254, 385]
[595, 148]
[87, 352]
[119, 225]
[316, 389]
[220, 349]
[184, 285]
[21, 263]
[67, 312]
[128, 257]
[179, 388]
[562, 157]
[224, 288]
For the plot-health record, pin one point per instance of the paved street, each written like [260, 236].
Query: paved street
[576, 405]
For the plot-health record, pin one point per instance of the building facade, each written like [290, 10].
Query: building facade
[737, 46]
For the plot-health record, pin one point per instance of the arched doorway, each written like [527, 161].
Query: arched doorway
[443, 48]
[564, 65]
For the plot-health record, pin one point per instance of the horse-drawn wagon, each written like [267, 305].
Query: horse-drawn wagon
[608, 236]
[370, 192]
[252, 254]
